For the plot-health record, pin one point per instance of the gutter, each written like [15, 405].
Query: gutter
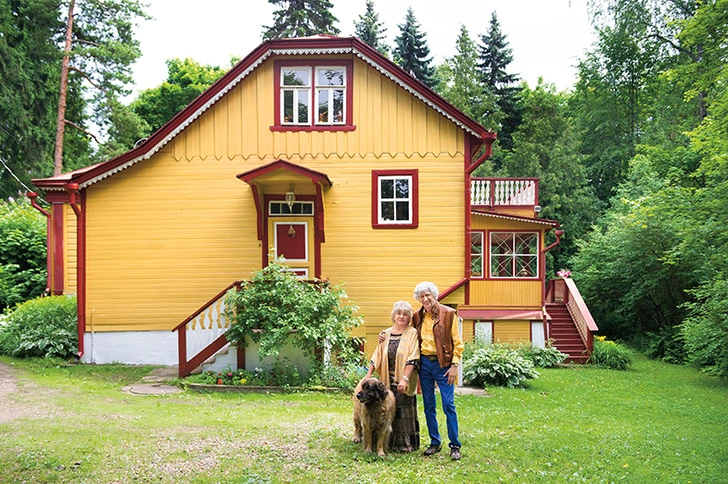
[76, 205]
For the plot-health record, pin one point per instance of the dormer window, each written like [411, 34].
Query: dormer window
[313, 96]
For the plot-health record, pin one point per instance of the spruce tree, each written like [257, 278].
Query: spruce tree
[370, 30]
[412, 52]
[495, 56]
[460, 83]
[301, 18]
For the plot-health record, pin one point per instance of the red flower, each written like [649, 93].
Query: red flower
[230, 374]
[219, 381]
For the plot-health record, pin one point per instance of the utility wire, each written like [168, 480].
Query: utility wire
[18, 179]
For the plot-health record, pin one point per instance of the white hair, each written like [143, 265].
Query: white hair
[426, 286]
[401, 306]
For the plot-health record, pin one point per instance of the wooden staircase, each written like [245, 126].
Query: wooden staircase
[564, 333]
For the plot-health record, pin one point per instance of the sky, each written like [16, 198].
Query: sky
[547, 36]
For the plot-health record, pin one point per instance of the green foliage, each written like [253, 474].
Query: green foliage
[22, 253]
[497, 365]
[494, 58]
[544, 357]
[411, 52]
[610, 354]
[705, 331]
[186, 79]
[301, 18]
[275, 308]
[370, 30]
[344, 376]
[44, 327]
[459, 83]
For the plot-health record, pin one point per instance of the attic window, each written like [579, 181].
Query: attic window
[313, 95]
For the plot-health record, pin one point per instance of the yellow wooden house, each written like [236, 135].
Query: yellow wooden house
[319, 149]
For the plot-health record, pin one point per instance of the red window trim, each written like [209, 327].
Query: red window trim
[313, 64]
[485, 271]
[375, 199]
[514, 278]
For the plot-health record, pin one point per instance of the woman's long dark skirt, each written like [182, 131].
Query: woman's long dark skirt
[405, 435]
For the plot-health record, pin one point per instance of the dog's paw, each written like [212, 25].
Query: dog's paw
[356, 440]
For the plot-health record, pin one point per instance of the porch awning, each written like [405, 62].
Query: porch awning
[500, 314]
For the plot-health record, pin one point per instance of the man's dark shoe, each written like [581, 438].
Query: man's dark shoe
[433, 449]
[455, 453]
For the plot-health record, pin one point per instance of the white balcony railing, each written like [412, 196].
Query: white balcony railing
[504, 191]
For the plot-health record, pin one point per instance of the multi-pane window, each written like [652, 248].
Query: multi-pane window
[394, 198]
[476, 254]
[295, 95]
[307, 90]
[330, 95]
[297, 208]
[514, 254]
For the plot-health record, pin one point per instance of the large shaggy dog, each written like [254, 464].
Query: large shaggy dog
[374, 408]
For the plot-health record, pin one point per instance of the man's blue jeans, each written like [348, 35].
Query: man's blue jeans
[430, 373]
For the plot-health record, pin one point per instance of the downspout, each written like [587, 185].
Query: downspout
[49, 235]
[558, 233]
[72, 189]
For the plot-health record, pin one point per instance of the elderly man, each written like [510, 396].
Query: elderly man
[441, 349]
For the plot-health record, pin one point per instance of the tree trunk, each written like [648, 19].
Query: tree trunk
[61, 122]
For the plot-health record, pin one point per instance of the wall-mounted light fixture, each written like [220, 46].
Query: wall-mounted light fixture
[290, 198]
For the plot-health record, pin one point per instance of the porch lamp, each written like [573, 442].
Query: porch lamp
[290, 198]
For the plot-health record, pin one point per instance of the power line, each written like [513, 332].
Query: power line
[18, 179]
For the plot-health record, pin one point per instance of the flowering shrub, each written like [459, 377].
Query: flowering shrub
[563, 273]
[283, 374]
[497, 365]
[609, 354]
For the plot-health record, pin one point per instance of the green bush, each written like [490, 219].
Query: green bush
[283, 374]
[609, 354]
[497, 365]
[276, 308]
[22, 253]
[544, 357]
[43, 327]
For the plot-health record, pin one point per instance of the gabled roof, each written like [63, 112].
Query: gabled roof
[316, 45]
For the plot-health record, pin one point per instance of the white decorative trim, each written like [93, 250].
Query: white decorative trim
[337, 50]
[517, 219]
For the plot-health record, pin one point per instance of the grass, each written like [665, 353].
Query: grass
[654, 423]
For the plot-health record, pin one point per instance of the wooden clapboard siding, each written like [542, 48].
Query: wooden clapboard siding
[506, 294]
[388, 120]
[166, 234]
[511, 331]
[70, 242]
[157, 250]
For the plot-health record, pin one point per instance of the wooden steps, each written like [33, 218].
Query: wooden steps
[564, 333]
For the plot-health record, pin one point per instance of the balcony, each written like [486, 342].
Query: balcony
[504, 193]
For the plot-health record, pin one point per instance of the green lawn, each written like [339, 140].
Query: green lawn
[655, 423]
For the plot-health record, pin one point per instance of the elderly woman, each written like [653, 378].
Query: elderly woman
[396, 359]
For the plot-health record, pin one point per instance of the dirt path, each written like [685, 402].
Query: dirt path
[24, 400]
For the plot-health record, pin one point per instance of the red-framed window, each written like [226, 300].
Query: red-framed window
[313, 95]
[395, 199]
[477, 266]
[514, 255]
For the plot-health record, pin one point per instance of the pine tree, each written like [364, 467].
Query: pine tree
[301, 18]
[459, 83]
[411, 52]
[370, 30]
[495, 56]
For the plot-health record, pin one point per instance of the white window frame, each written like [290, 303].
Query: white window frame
[330, 95]
[381, 199]
[473, 255]
[513, 256]
[296, 92]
